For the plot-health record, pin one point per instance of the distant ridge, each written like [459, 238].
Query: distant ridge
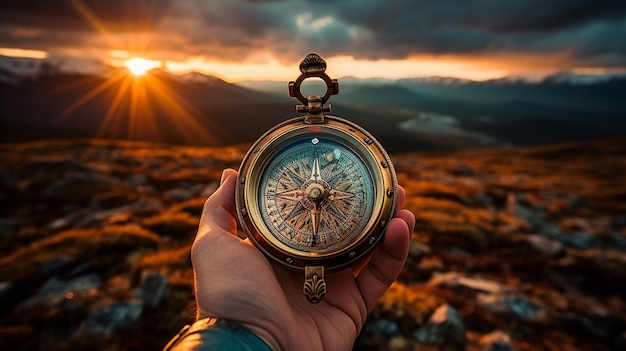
[204, 110]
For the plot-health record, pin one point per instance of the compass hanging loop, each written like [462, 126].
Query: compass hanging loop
[313, 66]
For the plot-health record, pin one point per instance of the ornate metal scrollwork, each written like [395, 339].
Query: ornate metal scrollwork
[314, 284]
[313, 63]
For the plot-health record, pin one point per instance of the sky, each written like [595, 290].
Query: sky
[265, 39]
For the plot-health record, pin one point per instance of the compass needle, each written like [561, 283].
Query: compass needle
[315, 169]
[315, 220]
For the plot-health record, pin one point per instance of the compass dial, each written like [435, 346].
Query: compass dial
[316, 195]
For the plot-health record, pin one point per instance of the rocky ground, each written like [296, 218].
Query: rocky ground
[521, 249]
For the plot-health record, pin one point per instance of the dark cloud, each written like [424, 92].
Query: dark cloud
[402, 28]
[397, 29]
[589, 31]
[123, 15]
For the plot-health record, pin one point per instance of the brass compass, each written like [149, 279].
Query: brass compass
[316, 192]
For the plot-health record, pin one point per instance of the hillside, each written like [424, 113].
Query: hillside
[200, 110]
[520, 249]
[189, 110]
[559, 109]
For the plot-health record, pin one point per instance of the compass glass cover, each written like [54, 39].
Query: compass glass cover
[316, 195]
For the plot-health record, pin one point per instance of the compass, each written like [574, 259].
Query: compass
[316, 192]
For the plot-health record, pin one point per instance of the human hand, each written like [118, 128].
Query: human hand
[235, 281]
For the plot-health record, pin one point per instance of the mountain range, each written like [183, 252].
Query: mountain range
[405, 115]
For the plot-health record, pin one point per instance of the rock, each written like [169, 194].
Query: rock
[153, 288]
[534, 218]
[580, 240]
[117, 286]
[194, 189]
[619, 220]
[509, 303]
[59, 224]
[55, 263]
[496, 341]
[544, 245]
[573, 201]
[462, 170]
[6, 229]
[79, 269]
[481, 199]
[454, 279]
[84, 283]
[39, 301]
[417, 248]
[583, 241]
[104, 216]
[114, 316]
[55, 291]
[618, 240]
[179, 194]
[136, 180]
[382, 326]
[5, 289]
[203, 162]
[430, 263]
[50, 167]
[78, 186]
[445, 328]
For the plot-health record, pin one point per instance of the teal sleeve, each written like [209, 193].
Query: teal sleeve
[216, 334]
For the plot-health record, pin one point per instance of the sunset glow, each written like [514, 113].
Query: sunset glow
[131, 113]
[344, 66]
[139, 66]
[23, 53]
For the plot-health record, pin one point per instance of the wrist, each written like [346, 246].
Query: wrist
[215, 333]
[259, 330]
[263, 334]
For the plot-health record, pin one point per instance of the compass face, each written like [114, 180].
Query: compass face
[316, 195]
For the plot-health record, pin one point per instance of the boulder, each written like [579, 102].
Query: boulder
[153, 288]
[444, 328]
[510, 303]
[454, 279]
[544, 245]
[179, 194]
[80, 284]
[382, 326]
[112, 317]
[496, 341]
[78, 187]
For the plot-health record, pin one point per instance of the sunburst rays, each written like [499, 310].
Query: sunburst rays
[141, 105]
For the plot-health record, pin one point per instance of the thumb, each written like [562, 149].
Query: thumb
[219, 208]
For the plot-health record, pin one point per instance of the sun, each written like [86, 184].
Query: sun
[139, 66]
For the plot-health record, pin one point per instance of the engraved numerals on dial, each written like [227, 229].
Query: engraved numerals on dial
[316, 195]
